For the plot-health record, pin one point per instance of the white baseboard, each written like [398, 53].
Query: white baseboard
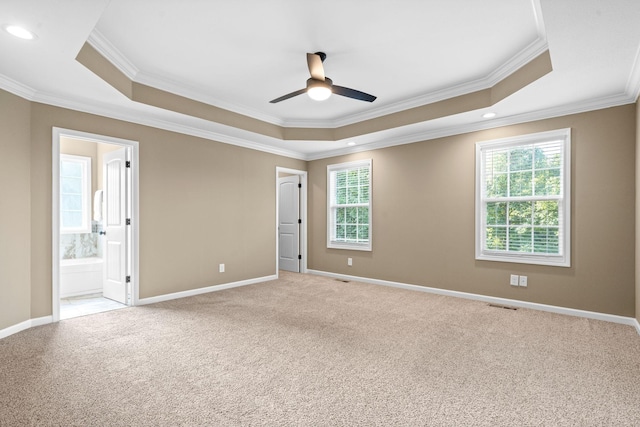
[199, 291]
[494, 300]
[25, 325]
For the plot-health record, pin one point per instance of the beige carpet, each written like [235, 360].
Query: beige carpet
[313, 351]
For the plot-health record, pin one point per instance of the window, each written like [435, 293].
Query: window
[523, 199]
[75, 189]
[349, 205]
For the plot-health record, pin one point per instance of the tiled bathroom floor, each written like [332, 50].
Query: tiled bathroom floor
[86, 304]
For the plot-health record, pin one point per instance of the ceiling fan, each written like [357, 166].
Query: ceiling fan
[320, 87]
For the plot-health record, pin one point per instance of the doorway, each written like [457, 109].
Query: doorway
[291, 220]
[94, 227]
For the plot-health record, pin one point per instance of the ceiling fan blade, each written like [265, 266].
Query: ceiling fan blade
[314, 62]
[352, 93]
[289, 95]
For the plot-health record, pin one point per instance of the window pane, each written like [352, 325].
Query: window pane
[520, 213]
[70, 202]
[340, 232]
[496, 238]
[352, 233]
[364, 176]
[341, 196]
[71, 219]
[352, 178]
[521, 159]
[545, 213]
[520, 239]
[352, 215]
[363, 232]
[497, 213]
[352, 195]
[520, 184]
[545, 240]
[341, 179]
[497, 161]
[364, 194]
[70, 169]
[71, 185]
[363, 215]
[547, 182]
[497, 185]
[341, 215]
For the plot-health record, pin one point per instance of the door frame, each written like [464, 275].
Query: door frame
[303, 216]
[55, 211]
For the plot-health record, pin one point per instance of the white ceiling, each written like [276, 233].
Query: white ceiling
[238, 55]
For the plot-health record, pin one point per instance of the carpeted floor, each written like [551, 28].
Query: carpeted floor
[313, 351]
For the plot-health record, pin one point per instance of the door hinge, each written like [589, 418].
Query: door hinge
[299, 185]
[127, 164]
[299, 256]
[128, 221]
[128, 279]
[299, 221]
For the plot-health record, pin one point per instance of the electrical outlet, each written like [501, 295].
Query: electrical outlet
[221, 268]
[349, 262]
[514, 280]
[523, 281]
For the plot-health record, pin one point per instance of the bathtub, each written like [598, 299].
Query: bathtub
[80, 276]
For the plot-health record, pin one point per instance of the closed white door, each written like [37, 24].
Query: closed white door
[289, 223]
[115, 225]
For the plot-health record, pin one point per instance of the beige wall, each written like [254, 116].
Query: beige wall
[423, 217]
[638, 210]
[201, 203]
[15, 231]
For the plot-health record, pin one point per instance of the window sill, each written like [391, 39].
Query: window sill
[553, 261]
[349, 246]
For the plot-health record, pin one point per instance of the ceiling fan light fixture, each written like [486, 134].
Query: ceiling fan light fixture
[319, 90]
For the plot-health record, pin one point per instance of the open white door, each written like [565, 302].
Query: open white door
[289, 223]
[115, 225]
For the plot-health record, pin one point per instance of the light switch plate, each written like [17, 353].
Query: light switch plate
[514, 280]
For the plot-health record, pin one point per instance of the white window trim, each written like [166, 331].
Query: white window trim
[343, 245]
[86, 195]
[561, 260]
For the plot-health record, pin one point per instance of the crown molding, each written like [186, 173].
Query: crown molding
[522, 58]
[112, 54]
[575, 108]
[16, 88]
[251, 140]
[187, 91]
[131, 116]
[632, 88]
[514, 63]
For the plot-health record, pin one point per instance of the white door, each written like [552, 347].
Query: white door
[114, 225]
[288, 223]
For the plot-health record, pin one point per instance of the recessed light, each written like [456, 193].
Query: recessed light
[489, 115]
[351, 143]
[20, 32]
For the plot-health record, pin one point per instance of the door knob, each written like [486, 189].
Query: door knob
[102, 233]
